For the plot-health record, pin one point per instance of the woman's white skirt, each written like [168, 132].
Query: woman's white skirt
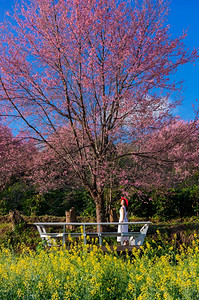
[123, 229]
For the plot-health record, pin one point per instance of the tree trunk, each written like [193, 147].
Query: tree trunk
[113, 215]
[100, 213]
[99, 205]
[100, 210]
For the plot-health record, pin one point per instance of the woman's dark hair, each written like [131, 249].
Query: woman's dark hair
[125, 204]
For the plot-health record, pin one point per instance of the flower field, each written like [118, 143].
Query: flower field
[79, 274]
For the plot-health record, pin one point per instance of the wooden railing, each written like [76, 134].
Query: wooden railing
[136, 238]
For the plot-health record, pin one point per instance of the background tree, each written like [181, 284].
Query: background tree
[16, 154]
[97, 68]
[169, 156]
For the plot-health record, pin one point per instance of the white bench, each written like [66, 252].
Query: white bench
[136, 238]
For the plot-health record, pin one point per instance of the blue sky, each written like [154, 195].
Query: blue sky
[183, 16]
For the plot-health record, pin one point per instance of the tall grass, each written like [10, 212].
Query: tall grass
[80, 274]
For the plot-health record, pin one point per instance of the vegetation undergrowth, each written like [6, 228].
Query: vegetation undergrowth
[58, 273]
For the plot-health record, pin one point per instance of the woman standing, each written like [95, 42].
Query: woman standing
[123, 218]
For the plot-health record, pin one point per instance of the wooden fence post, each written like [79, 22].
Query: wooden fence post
[17, 220]
[71, 217]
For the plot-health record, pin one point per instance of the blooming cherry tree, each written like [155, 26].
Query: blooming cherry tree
[90, 75]
[16, 155]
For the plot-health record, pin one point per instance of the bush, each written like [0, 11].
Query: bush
[25, 199]
[172, 203]
[15, 197]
